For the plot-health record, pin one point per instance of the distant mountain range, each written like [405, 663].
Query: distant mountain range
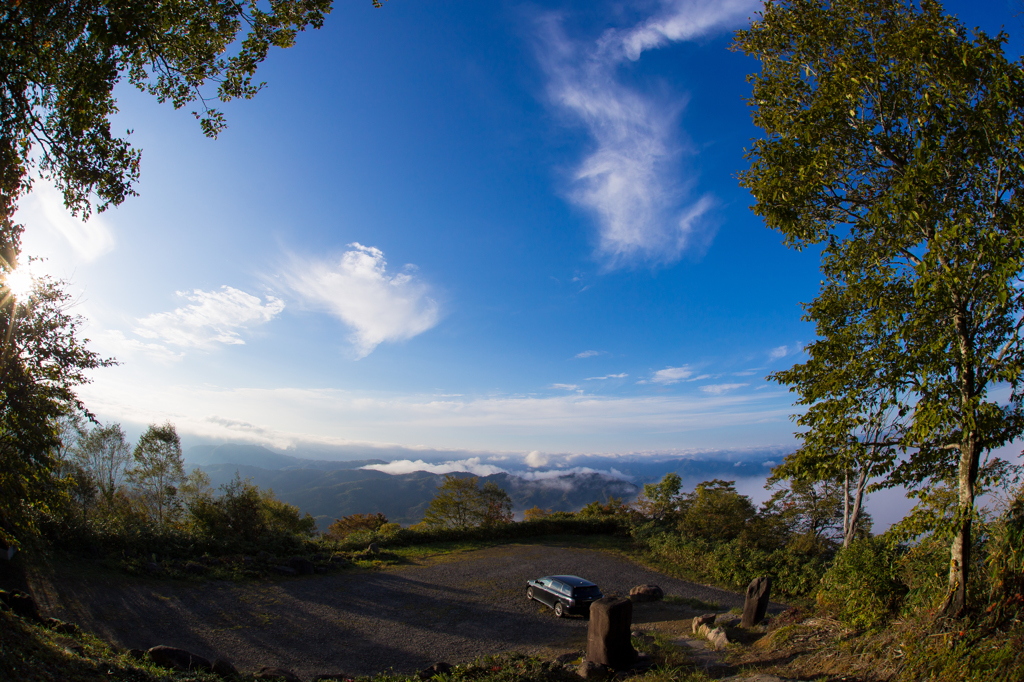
[329, 489]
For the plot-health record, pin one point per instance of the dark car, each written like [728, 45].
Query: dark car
[564, 593]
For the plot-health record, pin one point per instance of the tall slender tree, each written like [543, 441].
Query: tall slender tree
[106, 453]
[893, 142]
[159, 468]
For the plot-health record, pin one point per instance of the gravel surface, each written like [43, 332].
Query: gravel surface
[360, 622]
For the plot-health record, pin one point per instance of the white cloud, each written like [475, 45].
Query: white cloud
[780, 352]
[44, 207]
[671, 375]
[608, 376]
[682, 20]
[358, 290]
[211, 317]
[554, 475]
[718, 389]
[473, 465]
[588, 354]
[114, 342]
[535, 459]
[565, 387]
[629, 181]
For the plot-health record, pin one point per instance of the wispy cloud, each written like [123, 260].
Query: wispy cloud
[555, 423]
[357, 289]
[608, 376]
[630, 180]
[719, 389]
[670, 375]
[211, 318]
[565, 387]
[115, 342]
[780, 352]
[588, 354]
[44, 207]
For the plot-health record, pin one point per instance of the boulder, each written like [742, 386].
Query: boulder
[59, 626]
[178, 659]
[21, 604]
[717, 639]
[569, 657]
[589, 670]
[439, 668]
[271, 673]
[702, 620]
[264, 556]
[373, 548]
[137, 654]
[340, 560]
[608, 635]
[223, 668]
[756, 605]
[302, 565]
[646, 593]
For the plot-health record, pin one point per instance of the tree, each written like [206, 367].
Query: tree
[855, 414]
[460, 503]
[495, 505]
[354, 523]
[159, 467]
[661, 500]
[62, 60]
[893, 143]
[714, 511]
[70, 429]
[106, 453]
[245, 512]
[42, 361]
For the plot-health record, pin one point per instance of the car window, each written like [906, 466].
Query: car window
[556, 586]
[545, 582]
[588, 592]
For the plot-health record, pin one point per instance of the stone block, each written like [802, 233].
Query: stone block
[608, 635]
[702, 620]
[756, 605]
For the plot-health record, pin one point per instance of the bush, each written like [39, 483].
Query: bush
[347, 525]
[862, 586]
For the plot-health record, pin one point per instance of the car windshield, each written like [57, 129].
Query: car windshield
[587, 592]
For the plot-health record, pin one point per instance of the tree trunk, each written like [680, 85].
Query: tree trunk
[846, 508]
[858, 502]
[955, 603]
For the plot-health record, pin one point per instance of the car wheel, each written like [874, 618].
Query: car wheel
[559, 609]
[529, 593]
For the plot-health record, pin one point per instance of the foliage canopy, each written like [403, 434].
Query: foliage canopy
[893, 143]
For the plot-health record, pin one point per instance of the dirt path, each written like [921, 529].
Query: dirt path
[402, 618]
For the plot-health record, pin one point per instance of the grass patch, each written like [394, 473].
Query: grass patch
[31, 653]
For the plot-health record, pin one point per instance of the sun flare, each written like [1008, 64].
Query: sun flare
[19, 283]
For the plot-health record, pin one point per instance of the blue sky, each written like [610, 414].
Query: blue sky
[503, 228]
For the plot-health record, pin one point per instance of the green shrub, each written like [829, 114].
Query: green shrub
[862, 586]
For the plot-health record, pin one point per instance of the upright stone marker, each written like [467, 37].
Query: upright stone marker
[756, 605]
[608, 636]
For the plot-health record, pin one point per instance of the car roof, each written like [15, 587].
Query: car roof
[572, 580]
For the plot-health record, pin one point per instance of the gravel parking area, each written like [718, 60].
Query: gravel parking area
[361, 622]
